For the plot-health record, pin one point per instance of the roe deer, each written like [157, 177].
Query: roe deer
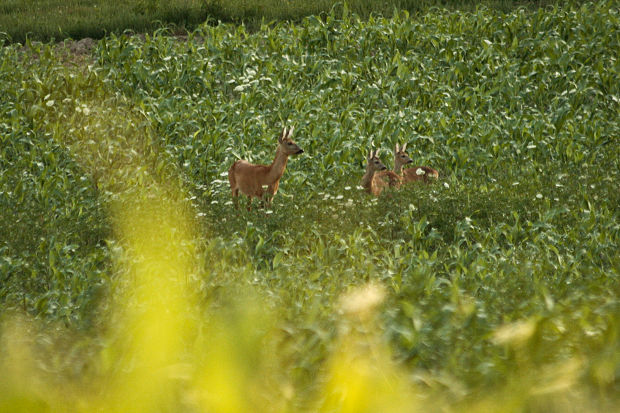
[262, 181]
[390, 178]
[370, 181]
[416, 173]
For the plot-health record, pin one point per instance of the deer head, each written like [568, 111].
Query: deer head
[286, 144]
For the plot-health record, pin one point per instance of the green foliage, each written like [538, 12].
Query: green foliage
[46, 20]
[60, 19]
[503, 275]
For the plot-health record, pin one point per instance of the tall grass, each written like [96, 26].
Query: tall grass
[61, 19]
[76, 19]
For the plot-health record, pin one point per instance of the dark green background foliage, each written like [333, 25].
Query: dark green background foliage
[45, 20]
[518, 112]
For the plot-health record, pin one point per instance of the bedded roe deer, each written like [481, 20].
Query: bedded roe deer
[262, 181]
[415, 173]
[391, 178]
[370, 181]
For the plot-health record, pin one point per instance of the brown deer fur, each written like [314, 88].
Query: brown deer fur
[262, 181]
[411, 174]
[370, 182]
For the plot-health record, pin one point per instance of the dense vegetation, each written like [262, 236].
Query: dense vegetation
[45, 20]
[128, 282]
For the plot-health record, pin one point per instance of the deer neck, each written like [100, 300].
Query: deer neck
[367, 179]
[276, 169]
[398, 166]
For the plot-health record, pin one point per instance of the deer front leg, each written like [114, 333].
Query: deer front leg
[235, 197]
[265, 196]
[260, 194]
[271, 192]
[267, 200]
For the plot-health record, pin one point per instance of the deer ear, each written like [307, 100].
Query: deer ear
[290, 132]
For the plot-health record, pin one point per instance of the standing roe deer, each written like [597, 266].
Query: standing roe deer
[416, 173]
[262, 180]
[370, 181]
